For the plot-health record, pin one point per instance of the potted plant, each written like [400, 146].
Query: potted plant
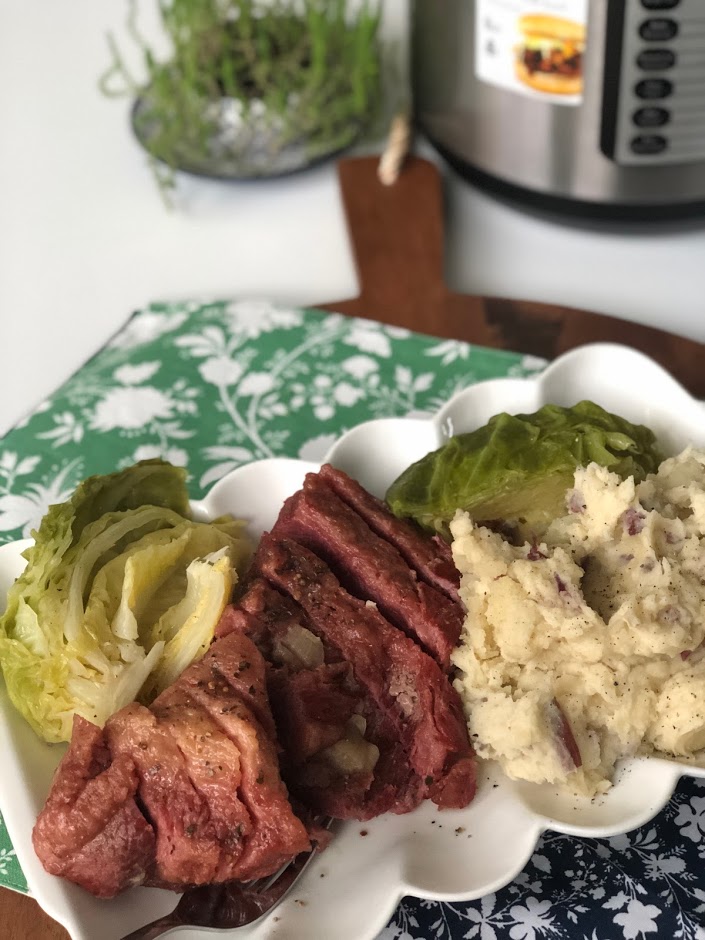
[253, 88]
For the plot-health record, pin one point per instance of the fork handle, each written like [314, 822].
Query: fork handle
[157, 928]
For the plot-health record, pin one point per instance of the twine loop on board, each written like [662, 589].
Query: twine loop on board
[394, 154]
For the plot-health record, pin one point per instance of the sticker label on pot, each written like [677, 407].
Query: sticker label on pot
[533, 48]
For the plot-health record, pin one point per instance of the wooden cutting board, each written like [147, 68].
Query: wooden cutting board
[396, 234]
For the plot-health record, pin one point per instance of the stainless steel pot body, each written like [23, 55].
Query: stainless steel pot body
[546, 148]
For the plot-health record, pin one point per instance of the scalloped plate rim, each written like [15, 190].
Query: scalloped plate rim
[288, 473]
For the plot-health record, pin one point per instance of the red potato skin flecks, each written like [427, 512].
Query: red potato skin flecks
[563, 735]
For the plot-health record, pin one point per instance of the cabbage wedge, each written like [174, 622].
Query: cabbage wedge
[516, 469]
[121, 592]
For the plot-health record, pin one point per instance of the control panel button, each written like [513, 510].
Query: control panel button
[658, 29]
[651, 117]
[649, 89]
[659, 4]
[646, 144]
[654, 60]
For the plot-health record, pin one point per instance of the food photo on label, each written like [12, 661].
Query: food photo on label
[549, 55]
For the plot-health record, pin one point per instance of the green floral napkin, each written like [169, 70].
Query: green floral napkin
[214, 385]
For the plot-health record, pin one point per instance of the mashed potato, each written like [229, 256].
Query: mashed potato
[589, 646]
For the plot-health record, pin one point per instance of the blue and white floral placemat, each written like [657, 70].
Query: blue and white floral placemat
[212, 385]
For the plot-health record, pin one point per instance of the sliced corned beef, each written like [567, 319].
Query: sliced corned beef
[212, 762]
[370, 567]
[313, 707]
[320, 710]
[201, 766]
[189, 791]
[187, 849]
[406, 685]
[90, 830]
[216, 684]
[236, 660]
[431, 558]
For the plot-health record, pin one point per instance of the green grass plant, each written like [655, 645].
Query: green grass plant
[311, 69]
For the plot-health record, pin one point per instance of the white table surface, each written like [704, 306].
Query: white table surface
[85, 238]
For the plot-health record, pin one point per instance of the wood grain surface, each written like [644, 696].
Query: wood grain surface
[396, 235]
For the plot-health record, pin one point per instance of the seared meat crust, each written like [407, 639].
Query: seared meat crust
[183, 793]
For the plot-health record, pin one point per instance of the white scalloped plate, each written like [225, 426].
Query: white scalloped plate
[351, 891]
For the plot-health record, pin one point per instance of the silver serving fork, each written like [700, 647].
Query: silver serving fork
[230, 905]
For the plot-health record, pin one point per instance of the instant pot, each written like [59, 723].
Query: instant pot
[595, 106]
